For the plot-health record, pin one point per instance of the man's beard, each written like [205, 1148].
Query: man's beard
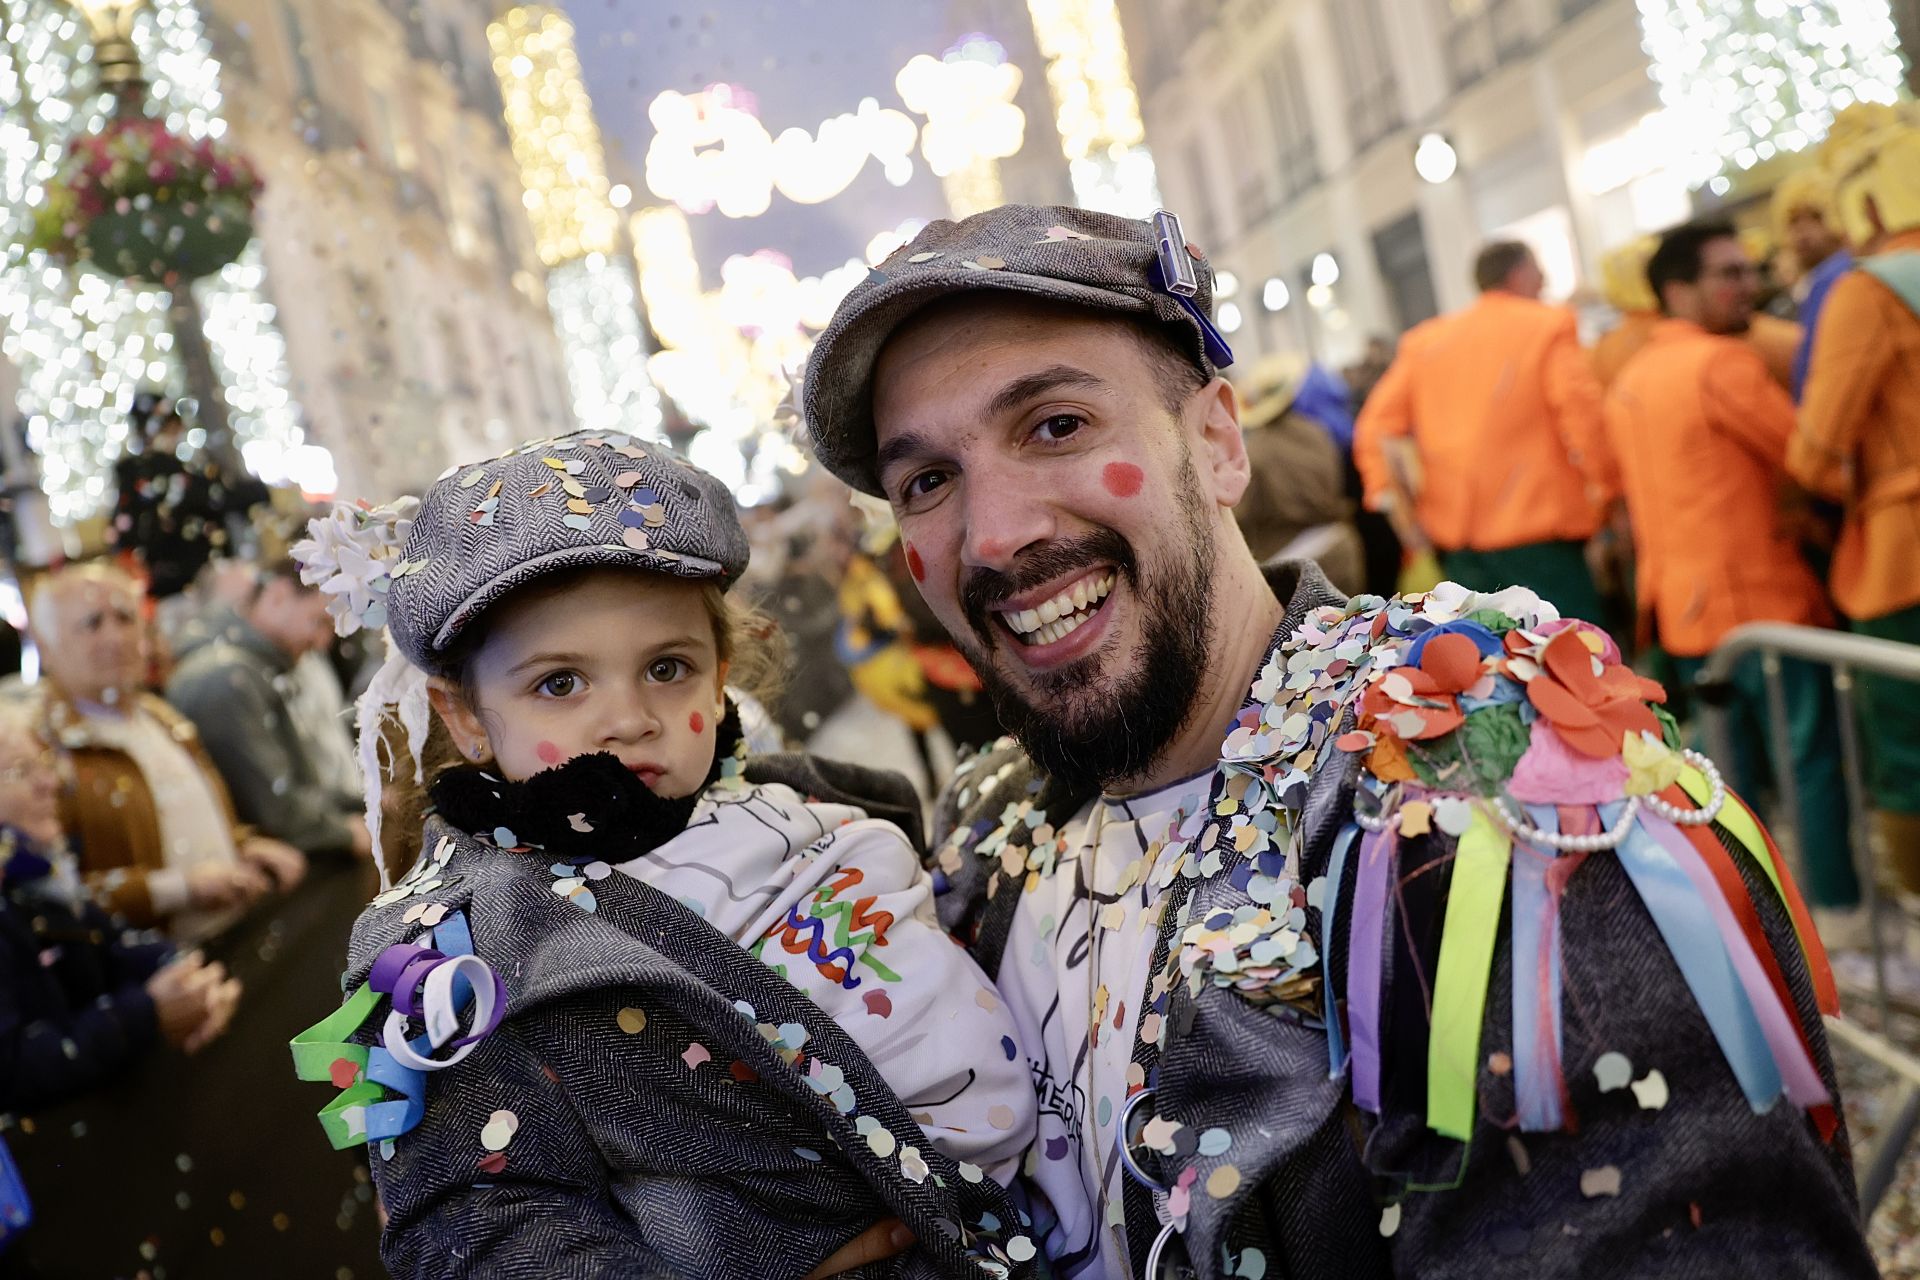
[1091, 732]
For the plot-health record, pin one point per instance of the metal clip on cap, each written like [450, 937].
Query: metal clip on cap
[1174, 274]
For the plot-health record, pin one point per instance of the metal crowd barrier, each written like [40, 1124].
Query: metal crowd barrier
[1845, 655]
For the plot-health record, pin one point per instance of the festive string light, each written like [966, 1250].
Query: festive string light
[556, 142]
[972, 122]
[593, 305]
[1745, 80]
[84, 342]
[728, 354]
[710, 150]
[250, 356]
[1096, 108]
[590, 286]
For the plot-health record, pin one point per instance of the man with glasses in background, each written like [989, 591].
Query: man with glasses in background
[1699, 429]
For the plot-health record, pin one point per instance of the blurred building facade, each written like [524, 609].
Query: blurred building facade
[1289, 135]
[397, 249]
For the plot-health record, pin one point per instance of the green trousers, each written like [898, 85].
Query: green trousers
[1813, 743]
[1890, 711]
[1556, 571]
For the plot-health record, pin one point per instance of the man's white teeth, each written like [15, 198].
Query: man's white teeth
[1062, 615]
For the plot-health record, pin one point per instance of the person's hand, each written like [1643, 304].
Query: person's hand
[283, 863]
[214, 885]
[222, 998]
[884, 1239]
[185, 992]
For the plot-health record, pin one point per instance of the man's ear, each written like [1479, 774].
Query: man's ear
[463, 722]
[1222, 465]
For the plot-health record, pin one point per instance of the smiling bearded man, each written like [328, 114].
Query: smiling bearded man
[1285, 891]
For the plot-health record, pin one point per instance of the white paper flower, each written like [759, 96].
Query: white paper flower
[350, 554]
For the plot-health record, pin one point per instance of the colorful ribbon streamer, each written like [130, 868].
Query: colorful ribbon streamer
[1740, 823]
[1536, 982]
[1329, 930]
[1460, 979]
[433, 983]
[1799, 1079]
[1687, 924]
[1366, 944]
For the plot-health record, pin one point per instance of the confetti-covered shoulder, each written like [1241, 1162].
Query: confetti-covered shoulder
[1523, 741]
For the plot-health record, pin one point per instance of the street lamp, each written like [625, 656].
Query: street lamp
[110, 22]
[1434, 159]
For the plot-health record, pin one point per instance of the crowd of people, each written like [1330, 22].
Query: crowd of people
[1737, 448]
[575, 841]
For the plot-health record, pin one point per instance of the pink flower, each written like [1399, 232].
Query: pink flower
[1551, 772]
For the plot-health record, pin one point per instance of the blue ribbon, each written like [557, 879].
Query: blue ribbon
[1329, 923]
[390, 1119]
[1536, 1082]
[1687, 924]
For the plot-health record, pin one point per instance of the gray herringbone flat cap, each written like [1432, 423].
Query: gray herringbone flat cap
[1069, 255]
[590, 498]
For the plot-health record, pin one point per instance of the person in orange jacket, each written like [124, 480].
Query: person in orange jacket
[1698, 429]
[1623, 283]
[1859, 443]
[1488, 422]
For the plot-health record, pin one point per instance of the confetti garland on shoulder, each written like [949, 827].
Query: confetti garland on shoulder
[1523, 737]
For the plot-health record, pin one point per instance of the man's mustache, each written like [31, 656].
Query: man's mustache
[986, 588]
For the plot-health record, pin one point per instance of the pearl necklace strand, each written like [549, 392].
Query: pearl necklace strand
[1609, 839]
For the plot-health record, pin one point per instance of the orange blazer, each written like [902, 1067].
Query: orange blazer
[1699, 428]
[1503, 411]
[1859, 439]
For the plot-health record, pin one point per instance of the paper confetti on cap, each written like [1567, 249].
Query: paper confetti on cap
[483, 529]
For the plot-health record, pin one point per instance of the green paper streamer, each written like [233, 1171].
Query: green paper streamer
[1460, 980]
[316, 1049]
[341, 1131]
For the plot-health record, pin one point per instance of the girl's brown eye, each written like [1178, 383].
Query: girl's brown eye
[558, 685]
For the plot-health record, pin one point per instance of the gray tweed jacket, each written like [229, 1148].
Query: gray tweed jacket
[1708, 1188]
[689, 1147]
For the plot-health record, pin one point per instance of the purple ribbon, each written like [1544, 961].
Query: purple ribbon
[401, 972]
[1366, 942]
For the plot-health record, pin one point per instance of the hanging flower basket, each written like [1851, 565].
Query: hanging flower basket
[143, 203]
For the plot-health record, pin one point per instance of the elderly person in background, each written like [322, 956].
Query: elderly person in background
[232, 683]
[82, 1007]
[157, 836]
[79, 997]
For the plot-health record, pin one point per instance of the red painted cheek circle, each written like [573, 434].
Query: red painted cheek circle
[1122, 479]
[914, 564]
[548, 753]
[697, 722]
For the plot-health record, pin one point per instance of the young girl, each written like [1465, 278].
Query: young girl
[642, 1006]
